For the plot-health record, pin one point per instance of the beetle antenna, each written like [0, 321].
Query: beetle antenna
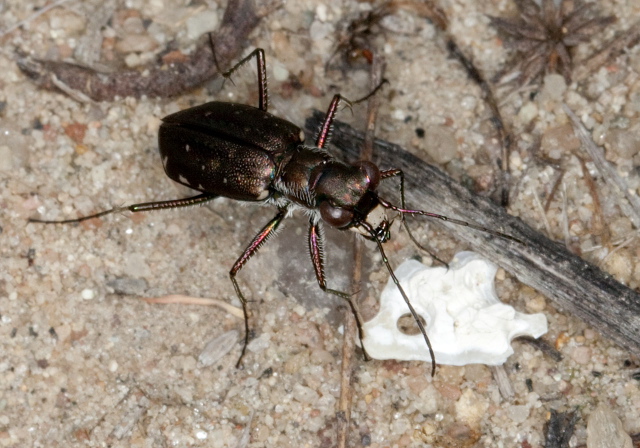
[385, 260]
[459, 222]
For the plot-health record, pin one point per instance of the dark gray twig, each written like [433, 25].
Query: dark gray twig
[559, 429]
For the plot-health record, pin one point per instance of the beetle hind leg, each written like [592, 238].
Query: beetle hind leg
[257, 242]
[258, 53]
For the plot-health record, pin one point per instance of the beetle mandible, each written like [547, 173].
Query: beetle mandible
[245, 153]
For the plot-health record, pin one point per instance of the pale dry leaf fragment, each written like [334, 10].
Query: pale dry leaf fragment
[217, 347]
[604, 430]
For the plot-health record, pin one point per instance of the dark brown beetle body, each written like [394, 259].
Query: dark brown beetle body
[211, 149]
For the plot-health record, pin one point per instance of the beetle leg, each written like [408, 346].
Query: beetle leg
[263, 94]
[316, 244]
[325, 130]
[396, 172]
[141, 207]
[257, 242]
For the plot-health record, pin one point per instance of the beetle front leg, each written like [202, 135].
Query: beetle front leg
[266, 232]
[399, 173]
[316, 244]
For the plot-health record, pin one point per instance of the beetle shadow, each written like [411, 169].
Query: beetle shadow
[297, 276]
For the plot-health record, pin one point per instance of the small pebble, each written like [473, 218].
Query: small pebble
[620, 264]
[590, 334]
[620, 227]
[604, 430]
[88, 294]
[471, 407]
[217, 347]
[518, 413]
[561, 340]
[621, 144]
[559, 141]
[201, 23]
[528, 112]
[138, 43]
[280, 72]
[304, 394]
[581, 355]
[553, 87]
[536, 304]
[440, 144]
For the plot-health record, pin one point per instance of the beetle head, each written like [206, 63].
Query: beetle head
[349, 200]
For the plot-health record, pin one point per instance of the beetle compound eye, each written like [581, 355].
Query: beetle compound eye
[371, 171]
[335, 216]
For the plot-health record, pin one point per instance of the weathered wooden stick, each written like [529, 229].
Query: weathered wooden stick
[574, 285]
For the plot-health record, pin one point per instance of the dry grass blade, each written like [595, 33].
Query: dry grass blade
[186, 300]
[610, 50]
[350, 327]
[608, 172]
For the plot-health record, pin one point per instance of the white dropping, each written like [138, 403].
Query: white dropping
[465, 321]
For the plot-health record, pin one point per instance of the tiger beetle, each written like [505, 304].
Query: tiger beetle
[244, 153]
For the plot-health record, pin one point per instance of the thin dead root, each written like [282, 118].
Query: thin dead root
[187, 300]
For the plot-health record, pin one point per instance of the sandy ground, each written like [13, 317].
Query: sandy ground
[85, 362]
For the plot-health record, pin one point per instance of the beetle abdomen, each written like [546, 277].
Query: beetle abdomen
[216, 165]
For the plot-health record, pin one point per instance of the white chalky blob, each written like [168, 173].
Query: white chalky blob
[465, 321]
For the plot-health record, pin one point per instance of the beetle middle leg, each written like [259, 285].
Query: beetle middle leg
[316, 245]
[253, 247]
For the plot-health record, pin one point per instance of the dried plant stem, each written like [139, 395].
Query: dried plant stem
[501, 377]
[554, 190]
[608, 172]
[187, 300]
[350, 327]
[33, 16]
[597, 225]
[504, 137]
[609, 51]
[239, 19]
